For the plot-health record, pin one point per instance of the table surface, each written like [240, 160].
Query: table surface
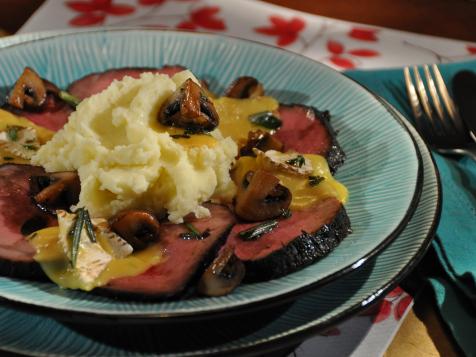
[422, 333]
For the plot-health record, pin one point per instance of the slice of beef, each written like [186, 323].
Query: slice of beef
[97, 82]
[185, 258]
[19, 216]
[308, 131]
[295, 243]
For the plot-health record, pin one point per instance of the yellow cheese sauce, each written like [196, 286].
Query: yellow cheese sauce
[234, 115]
[8, 119]
[303, 194]
[56, 265]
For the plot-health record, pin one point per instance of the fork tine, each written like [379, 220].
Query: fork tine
[412, 94]
[449, 105]
[420, 86]
[433, 92]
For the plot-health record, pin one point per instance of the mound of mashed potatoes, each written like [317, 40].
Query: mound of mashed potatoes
[125, 159]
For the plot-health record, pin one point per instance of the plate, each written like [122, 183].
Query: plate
[382, 171]
[38, 336]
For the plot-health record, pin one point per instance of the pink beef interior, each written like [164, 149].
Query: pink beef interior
[302, 131]
[16, 207]
[183, 256]
[97, 82]
[309, 220]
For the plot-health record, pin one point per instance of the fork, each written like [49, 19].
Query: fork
[440, 124]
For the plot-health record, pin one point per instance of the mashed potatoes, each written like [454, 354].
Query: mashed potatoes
[126, 159]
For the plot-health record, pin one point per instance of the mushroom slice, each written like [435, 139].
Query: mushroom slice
[223, 275]
[245, 87]
[262, 141]
[28, 91]
[137, 227]
[58, 190]
[189, 108]
[261, 197]
[290, 162]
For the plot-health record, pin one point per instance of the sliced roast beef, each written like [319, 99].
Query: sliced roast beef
[308, 131]
[186, 257]
[294, 243]
[97, 82]
[19, 216]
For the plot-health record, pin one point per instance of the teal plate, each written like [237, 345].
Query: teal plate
[382, 171]
[251, 333]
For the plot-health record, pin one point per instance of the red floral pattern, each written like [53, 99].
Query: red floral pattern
[471, 49]
[94, 12]
[402, 307]
[204, 17]
[396, 300]
[338, 54]
[286, 31]
[363, 34]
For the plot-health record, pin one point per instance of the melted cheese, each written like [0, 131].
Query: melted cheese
[55, 262]
[234, 114]
[303, 194]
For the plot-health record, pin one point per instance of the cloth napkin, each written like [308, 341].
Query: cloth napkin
[455, 241]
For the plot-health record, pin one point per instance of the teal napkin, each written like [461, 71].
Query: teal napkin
[455, 242]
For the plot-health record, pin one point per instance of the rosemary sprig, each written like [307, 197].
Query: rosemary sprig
[89, 226]
[266, 120]
[257, 231]
[298, 161]
[69, 98]
[315, 180]
[75, 234]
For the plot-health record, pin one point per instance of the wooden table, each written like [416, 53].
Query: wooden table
[422, 333]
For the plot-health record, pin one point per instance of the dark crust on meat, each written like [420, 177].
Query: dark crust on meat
[300, 252]
[189, 289]
[335, 155]
[22, 270]
[124, 68]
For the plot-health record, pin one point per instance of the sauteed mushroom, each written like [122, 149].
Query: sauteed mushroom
[29, 91]
[245, 87]
[223, 275]
[189, 108]
[261, 140]
[137, 227]
[58, 190]
[261, 197]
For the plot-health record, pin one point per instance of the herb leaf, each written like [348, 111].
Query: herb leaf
[315, 180]
[180, 136]
[69, 98]
[286, 213]
[89, 227]
[257, 231]
[266, 120]
[194, 233]
[75, 234]
[12, 132]
[8, 158]
[298, 161]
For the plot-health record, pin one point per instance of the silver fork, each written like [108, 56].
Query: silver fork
[440, 124]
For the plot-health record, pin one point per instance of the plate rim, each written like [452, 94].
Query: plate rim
[169, 317]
